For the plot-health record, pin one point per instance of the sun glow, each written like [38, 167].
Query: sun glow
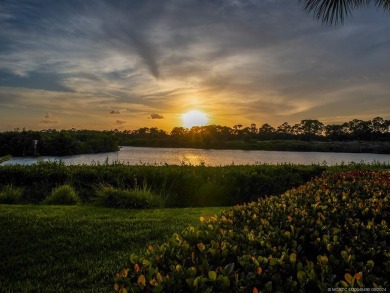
[194, 118]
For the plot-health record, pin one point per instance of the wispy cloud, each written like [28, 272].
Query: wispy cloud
[252, 61]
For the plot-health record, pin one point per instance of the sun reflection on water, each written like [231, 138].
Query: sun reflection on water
[192, 159]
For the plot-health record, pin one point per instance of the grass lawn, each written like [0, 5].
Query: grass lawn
[78, 248]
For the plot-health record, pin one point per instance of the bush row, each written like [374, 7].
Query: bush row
[179, 186]
[332, 232]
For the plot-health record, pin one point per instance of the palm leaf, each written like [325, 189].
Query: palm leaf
[335, 11]
[5, 158]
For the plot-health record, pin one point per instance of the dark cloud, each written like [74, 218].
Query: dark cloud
[39, 80]
[265, 58]
[156, 116]
[120, 122]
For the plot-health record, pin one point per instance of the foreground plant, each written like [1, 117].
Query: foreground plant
[136, 198]
[11, 195]
[62, 195]
[329, 233]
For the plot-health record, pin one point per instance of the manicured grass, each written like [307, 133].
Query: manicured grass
[79, 248]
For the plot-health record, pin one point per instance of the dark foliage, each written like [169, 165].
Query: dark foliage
[56, 143]
[72, 142]
[179, 186]
[335, 11]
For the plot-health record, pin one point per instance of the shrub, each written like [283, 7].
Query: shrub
[136, 198]
[11, 195]
[62, 195]
[329, 233]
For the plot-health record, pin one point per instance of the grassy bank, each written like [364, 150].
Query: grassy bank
[70, 249]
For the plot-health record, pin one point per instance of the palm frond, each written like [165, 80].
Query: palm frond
[385, 4]
[335, 11]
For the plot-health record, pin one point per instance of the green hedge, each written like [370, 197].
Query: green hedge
[332, 232]
[179, 186]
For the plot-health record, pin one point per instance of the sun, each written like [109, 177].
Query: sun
[194, 118]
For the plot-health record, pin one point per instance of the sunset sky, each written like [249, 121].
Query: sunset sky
[131, 64]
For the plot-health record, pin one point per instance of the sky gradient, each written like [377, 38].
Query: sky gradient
[131, 64]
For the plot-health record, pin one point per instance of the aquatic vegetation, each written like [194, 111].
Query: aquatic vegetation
[331, 232]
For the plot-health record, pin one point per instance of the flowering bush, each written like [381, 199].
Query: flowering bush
[329, 233]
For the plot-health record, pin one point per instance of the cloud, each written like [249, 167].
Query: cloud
[156, 116]
[120, 122]
[48, 119]
[243, 59]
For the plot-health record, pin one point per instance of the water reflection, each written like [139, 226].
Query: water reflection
[193, 159]
[180, 156]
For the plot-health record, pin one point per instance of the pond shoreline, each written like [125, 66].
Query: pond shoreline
[371, 147]
[130, 155]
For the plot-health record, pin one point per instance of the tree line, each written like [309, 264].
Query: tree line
[56, 143]
[377, 129]
[71, 142]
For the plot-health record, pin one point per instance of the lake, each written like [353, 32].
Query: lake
[179, 156]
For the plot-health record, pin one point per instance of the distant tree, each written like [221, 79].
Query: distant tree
[253, 128]
[284, 128]
[266, 128]
[359, 129]
[335, 11]
[379, 125]
[179, 131]
[296, 129]
[335, 132]
[246, 134]
[142, 132]
[154, 132]
[237, 128]
[266, 131]
[311, 128]
[224, 132]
